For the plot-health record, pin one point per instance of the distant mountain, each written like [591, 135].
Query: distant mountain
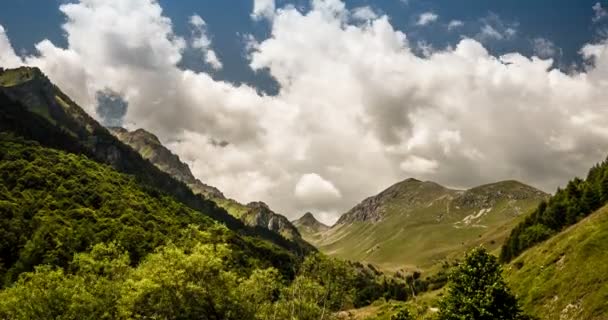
[418, 224]
[34, 108]
[309, 226]
[150, 147]
[565, 277]
[256, 214]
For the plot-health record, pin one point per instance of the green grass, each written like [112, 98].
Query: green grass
[566, 277]
[421, 235]
[13, 77]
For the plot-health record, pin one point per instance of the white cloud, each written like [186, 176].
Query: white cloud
[263, 9]
[427, 18]
[455, 24]
[8, 58]
[356, 105]
[545, 48]
[494, 28]
[599, 11]
[314, 190]
[415, 165]
[364, 13]
[202, 42]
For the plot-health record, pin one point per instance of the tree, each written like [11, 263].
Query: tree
[477, 291]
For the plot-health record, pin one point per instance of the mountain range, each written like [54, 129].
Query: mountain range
[419, 224]
[255, 214]
[74, 193]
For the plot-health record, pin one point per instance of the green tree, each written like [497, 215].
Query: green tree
[477, 291]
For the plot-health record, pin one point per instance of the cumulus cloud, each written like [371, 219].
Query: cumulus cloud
[202, 42]
[313, 190]
[364, 13]
[455, 24]
[263, 9]
[415, 165]
[545, 48]
[427, 18]
[494, 28]
[8, 58]
[357, 108]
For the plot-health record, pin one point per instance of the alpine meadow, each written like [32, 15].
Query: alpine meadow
[304, 160]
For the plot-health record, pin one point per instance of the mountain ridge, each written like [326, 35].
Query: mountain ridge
[255, 214]
[36, 109]
[427, 222]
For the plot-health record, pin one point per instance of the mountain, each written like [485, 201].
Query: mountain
[150, 148]
[565, 277]
[91, 229]
[255, 214]
[421, 223]
[34, 108]
[309, 226]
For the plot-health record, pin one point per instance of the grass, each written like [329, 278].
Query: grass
[13, 77]
[566, 277]
[422, 236]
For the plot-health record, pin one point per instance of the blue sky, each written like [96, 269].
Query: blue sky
[568, 24]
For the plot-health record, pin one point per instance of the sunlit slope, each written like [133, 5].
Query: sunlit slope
[566, 277]
[417, 224]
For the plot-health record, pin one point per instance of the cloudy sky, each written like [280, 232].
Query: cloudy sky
[314, 105]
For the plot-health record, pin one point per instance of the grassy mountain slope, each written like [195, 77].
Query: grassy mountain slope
[54, 204]
[418, 224]
[255, 214]
[150, 148]
[565, 277]
[310, 228]
[32, 107]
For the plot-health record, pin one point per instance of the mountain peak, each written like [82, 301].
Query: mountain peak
[308, 224]
[149, 146]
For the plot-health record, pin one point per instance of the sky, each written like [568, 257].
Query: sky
[313, 105]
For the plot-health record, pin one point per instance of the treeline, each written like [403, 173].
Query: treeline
[80, 240]
[568, 206]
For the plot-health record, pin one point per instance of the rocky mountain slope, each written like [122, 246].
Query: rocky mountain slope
[310, 228]
[150, 147]
[256, 214]
[565, 277]
[34, 108]
[419, 224]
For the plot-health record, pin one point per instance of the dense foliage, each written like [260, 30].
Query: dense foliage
[477, 291]
[79, 239]
[38, 111]
[54, 204]
[568, 206]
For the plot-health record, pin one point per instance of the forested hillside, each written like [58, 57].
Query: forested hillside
[568, 206]
[32, 107]
[80, 240]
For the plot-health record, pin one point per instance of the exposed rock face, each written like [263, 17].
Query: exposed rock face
[255, 214]
[259, 214]
[310, 224]
[150, 147]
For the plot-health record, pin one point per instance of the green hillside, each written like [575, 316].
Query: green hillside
[417, 224]
[32, 107]
[55, 204]
[79, 240]
[255, 214]
[310, 228]
[565, 277]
